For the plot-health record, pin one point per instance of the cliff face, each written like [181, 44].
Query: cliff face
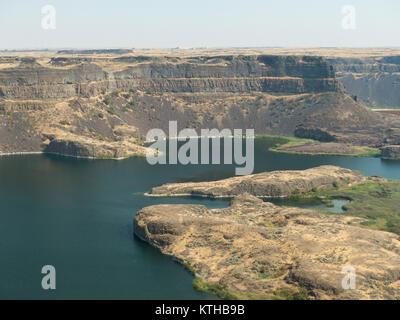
[274, 74]
[375, 80]
[112, 101]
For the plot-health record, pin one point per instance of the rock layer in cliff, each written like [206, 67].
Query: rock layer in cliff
[88, 98]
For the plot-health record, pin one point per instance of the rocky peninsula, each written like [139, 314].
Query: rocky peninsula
[275, 184]
[259, 250]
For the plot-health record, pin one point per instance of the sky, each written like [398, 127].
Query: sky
[205, 23]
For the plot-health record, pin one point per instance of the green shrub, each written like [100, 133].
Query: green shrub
[203, 286]
[289, 295]
[111, 110]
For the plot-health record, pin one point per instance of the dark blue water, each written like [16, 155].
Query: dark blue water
[77, 215]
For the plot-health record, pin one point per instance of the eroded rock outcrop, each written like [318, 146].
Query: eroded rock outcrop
[76, 146]
[273, 184]
[257, 249]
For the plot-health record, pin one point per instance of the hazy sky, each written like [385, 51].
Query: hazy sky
[186, 23]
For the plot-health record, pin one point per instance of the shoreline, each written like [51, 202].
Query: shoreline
[227, 197]
[283, 147]
[23, 153]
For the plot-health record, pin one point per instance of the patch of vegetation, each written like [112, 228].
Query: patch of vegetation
[111, 110]
[300, 199]
[195, 244]
[377, 201]
[282, 143]
[223, 293]
[65, 123]
[100, 115]
[106, 100]
[269, 272]
[330, 258]
[369, 152]
[290, 295]
[200, 285]
[203, 286]
[232, 260]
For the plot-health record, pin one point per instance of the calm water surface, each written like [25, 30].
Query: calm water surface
[77, 215]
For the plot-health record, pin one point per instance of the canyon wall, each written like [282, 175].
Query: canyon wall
[103, 105]
[61, 78]
[374, 80]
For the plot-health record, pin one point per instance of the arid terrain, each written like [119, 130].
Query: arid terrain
[275, 184]
[258, 250]
[102, 103]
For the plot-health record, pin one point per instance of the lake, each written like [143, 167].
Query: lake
[76, 215]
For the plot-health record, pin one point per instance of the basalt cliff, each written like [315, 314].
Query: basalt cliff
[102, 105]
[375, 80]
